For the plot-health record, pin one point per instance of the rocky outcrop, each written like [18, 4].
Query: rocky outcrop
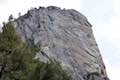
[66, 36]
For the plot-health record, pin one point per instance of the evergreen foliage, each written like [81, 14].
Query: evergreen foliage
[17, 60]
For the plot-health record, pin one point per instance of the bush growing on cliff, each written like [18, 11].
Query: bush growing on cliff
[17, 60]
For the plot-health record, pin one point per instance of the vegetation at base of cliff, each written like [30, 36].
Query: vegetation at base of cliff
[17, 60]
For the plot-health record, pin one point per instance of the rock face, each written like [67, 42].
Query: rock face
[66, 36]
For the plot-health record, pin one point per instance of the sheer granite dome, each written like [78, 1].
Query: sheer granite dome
[66, 36]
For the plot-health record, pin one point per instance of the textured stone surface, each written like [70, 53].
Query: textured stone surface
[64, 35]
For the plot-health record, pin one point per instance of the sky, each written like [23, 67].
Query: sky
[104, 15]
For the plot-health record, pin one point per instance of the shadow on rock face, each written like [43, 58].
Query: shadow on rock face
[94, 76]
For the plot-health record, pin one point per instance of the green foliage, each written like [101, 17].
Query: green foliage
[17, 60]
[8, 38]
[49, 71]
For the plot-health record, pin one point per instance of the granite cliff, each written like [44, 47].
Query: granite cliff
[66, 36]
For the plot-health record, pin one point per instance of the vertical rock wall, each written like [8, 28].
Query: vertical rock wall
[66, 36]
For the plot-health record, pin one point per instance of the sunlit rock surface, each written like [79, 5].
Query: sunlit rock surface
[66, 36]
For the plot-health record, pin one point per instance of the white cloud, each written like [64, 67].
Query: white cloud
[3, 2]
[110, 30]
[116, 6]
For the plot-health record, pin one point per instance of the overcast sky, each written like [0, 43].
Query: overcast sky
[104, 15]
